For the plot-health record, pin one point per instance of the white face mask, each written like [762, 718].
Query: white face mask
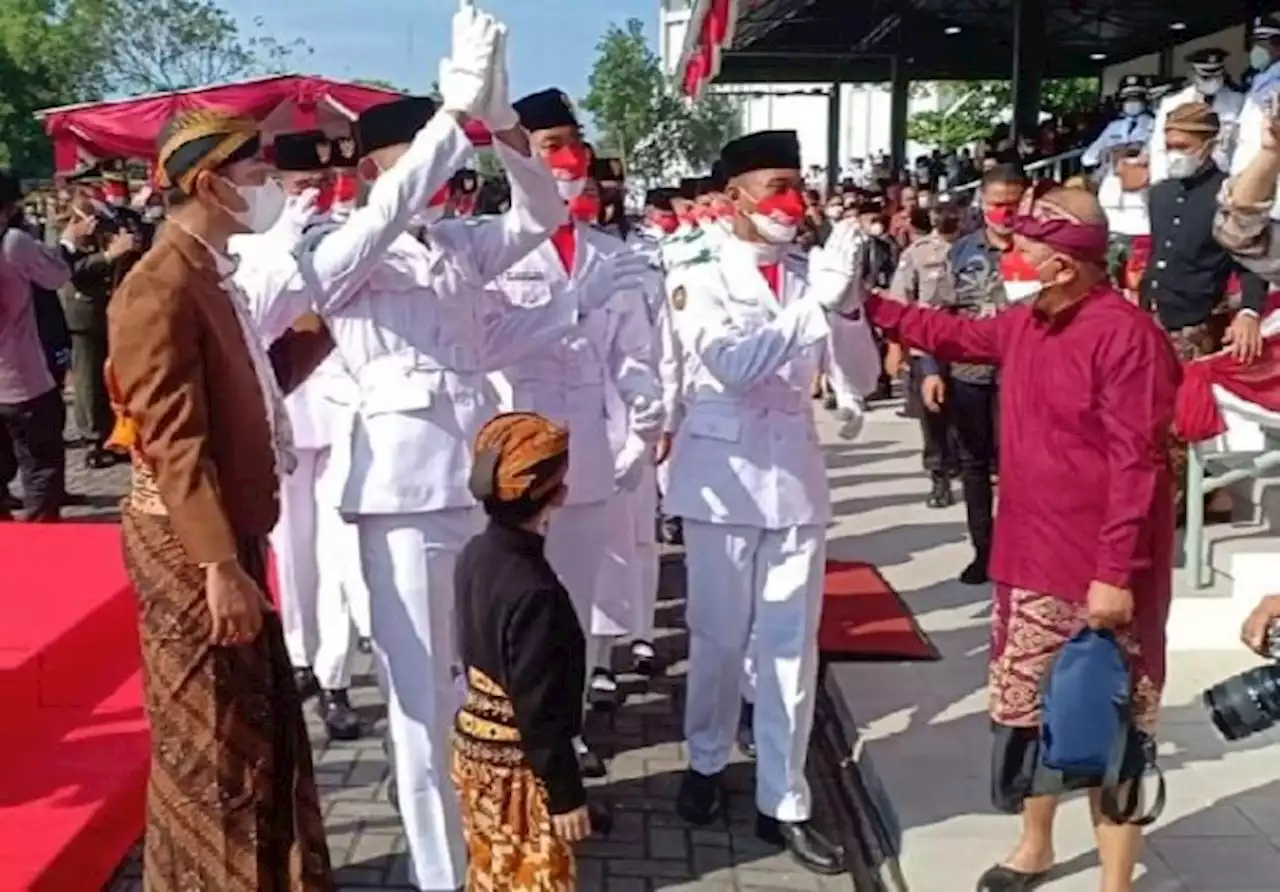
[263, 206]
[924, 201]
[1183, 164]
[1209, 86]
[835, 213]
[1260, 58]
[772, 231]
[875, 229]
[1020, 291]
[1133, 107]
[570, 189]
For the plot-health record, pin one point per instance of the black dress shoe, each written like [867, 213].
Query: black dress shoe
[976, 573]
[306, 682]
[746, 737]
[340, 721]
[806, 846]
[941, 496]
[603, 695]
[702, 800]
[365, 644]
[589, 763]
[644, 660]
[672, 531]
[1006, 879]
[98, 458]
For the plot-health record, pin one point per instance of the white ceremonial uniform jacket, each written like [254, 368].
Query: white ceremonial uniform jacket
[1227, 102]
[418, 338]
[602, 369]
[267, 273]
[1253, 118]
[1126, 211]
[747, 450]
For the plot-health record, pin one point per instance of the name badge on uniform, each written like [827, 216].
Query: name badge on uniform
[531, 275]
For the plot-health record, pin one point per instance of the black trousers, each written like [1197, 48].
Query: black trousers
[31, 448]
[961, 438]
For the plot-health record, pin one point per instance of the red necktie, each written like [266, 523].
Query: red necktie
[564, 241]
[770, 273]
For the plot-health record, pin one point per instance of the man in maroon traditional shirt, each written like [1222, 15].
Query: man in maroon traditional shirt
[1085, 529]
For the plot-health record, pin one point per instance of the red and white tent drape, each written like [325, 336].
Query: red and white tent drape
[711, 26]
[128, 128]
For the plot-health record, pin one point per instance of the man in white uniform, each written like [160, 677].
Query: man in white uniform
[598, 370]
[749, 479]
[1122, 143]
[317, 621]
[413, 339]
[1208, 85]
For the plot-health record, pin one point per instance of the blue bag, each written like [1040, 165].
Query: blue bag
[1087, 728]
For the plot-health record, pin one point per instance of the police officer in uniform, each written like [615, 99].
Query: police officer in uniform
[1118, 155]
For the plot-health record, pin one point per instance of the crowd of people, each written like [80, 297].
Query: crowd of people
[455, 411]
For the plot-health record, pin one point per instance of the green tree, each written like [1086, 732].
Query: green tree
[643, 119]
[971, 109]
[160, 45]
[51, 53]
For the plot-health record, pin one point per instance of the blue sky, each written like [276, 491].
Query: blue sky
[551, 43]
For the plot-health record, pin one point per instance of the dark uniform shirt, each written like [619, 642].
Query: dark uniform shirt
[977, 292]
[1186, 276]
[517, 625]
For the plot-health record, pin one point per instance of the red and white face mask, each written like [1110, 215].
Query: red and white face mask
[777, 217]
[1021, 278]
[665, 221]
[569, 165]
[585, 208]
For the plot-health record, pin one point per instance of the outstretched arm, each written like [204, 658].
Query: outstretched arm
[945, 336]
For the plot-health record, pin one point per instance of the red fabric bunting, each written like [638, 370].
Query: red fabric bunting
[700, 63]
[128, 128]
[1197, 417]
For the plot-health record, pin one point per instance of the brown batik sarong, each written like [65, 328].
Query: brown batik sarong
[231, 803]
[511, 844]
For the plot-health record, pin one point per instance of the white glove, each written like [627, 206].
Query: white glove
[466, 74]
[853, 419]
[628, 465]
[831, 268]
[299, 212]
[498, 112]
[612, 275]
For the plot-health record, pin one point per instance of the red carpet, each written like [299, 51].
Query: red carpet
[74, 770]
[863, 618]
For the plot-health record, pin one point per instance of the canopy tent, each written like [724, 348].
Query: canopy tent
[127, 128]
[825, 41]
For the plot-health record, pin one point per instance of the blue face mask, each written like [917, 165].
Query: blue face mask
[1260, 57]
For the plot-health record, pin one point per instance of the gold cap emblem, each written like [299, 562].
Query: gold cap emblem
[679, 297]
[324, 151]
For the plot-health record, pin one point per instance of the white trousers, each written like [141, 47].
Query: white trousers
[577, 542]
[315, 615]
[643, 509]
[409, 561]
[734, 571]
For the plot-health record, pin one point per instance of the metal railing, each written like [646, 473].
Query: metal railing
[1059, 168]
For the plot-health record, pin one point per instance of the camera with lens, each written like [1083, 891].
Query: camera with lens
[1250, 702]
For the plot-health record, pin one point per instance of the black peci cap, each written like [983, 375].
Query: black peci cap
[688, 188]
[306, 151]
[393, 123]
[545, 110]
[718, 179]
[766, 150]
[660, 198]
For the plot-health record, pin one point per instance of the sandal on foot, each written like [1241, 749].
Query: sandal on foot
[1006, 879]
